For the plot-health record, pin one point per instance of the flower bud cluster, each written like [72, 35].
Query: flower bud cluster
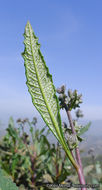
[62, 96]
[72, 100]
[70, 138]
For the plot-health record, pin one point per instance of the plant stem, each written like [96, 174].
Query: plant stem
[80, 170]
[74, 132]
[81, 178]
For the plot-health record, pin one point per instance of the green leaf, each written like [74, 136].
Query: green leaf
[41, 88]
[6, 183]
[11, 122]
[39, 82]
[80, 139]
[47, 178]
[84, 129]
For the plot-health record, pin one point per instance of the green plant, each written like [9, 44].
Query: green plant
[29, 158]
[5, 182]
[43, 93]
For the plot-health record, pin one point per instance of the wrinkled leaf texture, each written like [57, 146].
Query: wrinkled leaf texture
[41, 88]
[39, 82]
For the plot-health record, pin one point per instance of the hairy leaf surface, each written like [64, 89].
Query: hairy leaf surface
[39, 82]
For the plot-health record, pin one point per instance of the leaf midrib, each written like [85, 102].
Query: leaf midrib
[45, 100]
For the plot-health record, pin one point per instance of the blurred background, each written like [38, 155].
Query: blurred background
[70, 34]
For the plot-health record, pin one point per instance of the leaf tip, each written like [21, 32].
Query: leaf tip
[28, 22]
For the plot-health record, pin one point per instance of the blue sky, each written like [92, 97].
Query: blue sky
[70, 33]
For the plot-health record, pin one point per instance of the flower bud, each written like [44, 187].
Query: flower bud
[70, 93]
[61, 90]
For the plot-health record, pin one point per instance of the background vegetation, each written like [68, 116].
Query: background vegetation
[29, 158]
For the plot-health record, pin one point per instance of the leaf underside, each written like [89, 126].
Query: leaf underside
[39, 82]
[41, 88]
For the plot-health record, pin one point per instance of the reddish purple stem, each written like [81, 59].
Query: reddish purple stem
[80, 170]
